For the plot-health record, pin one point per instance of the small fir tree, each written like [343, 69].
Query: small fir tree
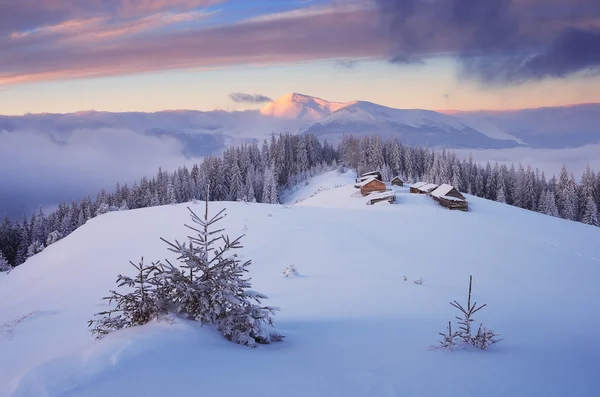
[484, 337]
[136, 307]
[210, 286]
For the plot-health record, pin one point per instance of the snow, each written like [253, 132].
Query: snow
[353, 326]
[300, 107]
[325, 181]
[450, 198]
[366, 181]
[381, 195]
[417, 185]
[427, 187]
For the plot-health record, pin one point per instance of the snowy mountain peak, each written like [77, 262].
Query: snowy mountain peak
[301, 107]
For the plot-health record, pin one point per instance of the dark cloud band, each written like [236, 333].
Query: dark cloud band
[240, 97]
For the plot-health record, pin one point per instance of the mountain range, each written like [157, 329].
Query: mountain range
[205, 132]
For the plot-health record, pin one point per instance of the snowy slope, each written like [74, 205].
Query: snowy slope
[353, 327]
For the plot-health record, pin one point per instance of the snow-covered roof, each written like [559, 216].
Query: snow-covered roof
[371, 173]
[364, 178]
[417, 185]
[450, 198]
[443, 190]
[397, 177]
[427, 187]
[381, 195]
[367, 181]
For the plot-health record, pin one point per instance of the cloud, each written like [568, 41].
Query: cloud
[24, 15]
[240, 97]
[48, 158]
[345, 64]
[406, 60]
[339, 31]
[498, 41]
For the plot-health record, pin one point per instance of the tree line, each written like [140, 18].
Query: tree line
[256, 173]
[520, 186]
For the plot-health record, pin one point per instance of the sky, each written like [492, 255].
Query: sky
[63, 56]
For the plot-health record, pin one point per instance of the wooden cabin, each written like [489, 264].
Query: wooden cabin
[427, 188]
[388, 196]
[448, 196]
[414, 188]
[397, 181]
[375, 174]
[371, 185]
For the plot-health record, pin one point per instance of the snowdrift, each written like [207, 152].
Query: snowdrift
[353, 326]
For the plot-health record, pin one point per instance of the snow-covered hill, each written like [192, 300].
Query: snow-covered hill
[353, 326]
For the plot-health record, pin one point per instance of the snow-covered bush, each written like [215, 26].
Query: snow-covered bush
[291, 271]
[53, 237]
[102, 209]
[405, 278]
[4, 265]
[137, 307]
[34, 248]
[419, 281]
[484, 337]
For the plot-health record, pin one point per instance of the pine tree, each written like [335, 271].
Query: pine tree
[53, 237]
[210, 287]
[269, 191]
[236, 187]
[547, 204]
[34, 248]
[170, 194]
[133, 308]
[457, 180]
[4, 265]
[500, 195]
[590, 212]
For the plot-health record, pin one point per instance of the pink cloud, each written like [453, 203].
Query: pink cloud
[344, 33]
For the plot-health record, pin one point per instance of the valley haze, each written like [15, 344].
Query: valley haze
[77, 154]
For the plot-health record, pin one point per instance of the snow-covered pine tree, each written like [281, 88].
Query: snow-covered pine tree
[53, 237]
[529, 192]
[301, 164]
[590, 212]
[500, 195]
[236, 185]
[136, 307]
[457, 180]
[210, 286]
[547, 204]
[34, 248]
[170, 194]
[102, 209]
[4, 265]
